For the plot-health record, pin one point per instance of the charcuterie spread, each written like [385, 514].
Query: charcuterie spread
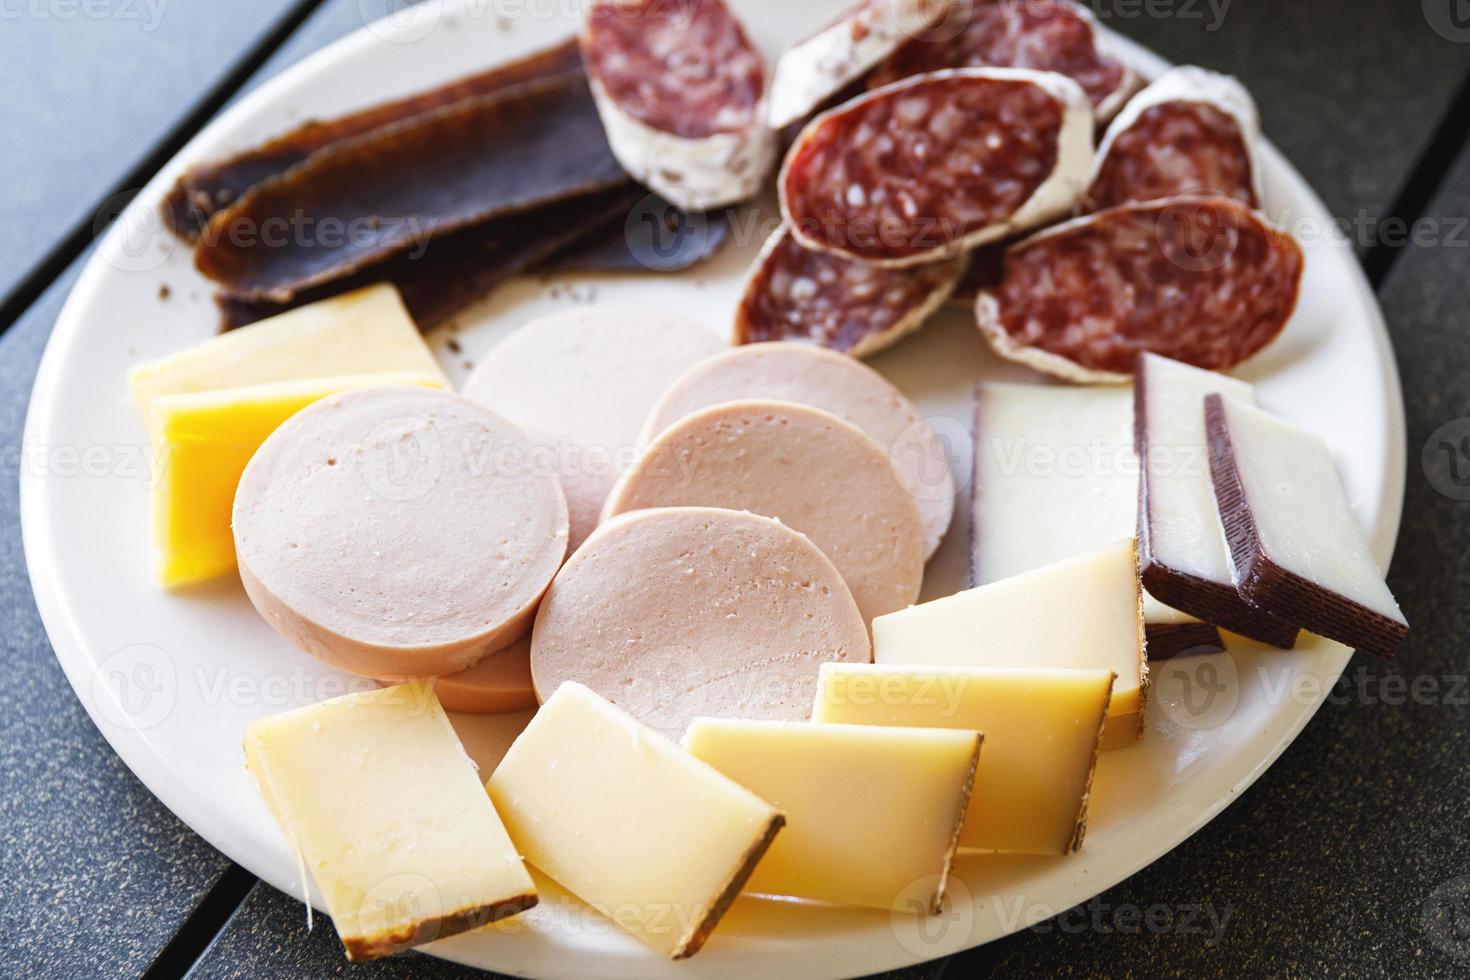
[687, 556]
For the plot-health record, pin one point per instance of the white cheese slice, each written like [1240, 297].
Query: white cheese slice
[381, 803]
[1085, 613]
[873, 815]
[629, 822]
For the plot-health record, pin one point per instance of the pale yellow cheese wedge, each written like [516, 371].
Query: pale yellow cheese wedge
[364, 332]
[1084, 613]
[1041, 727]
[629, 822]
[381, 804]
[873, 814]
[201, 444]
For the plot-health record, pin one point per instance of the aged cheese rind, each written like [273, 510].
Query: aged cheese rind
[1082, 613]
[380, 802]
[873, 815]
[628, 821]
[1042, 733]
[1183, 554]
[1296, 548]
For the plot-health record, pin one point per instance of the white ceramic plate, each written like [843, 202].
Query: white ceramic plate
[171, 679]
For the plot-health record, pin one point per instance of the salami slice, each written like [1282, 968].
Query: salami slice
[794, 293]
[1190, 132]
[931, 166]
[681, 92]
[1204, 280]
[1046, 35]
[334, 215]
[209, 187]
[812, 71]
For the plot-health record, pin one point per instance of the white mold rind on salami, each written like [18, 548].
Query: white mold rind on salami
[719, 155]
[812, 71]
[931, 198]
[794, 293]
[1082, 299]
[678, 613]
[1187, 84]
[1043, 35]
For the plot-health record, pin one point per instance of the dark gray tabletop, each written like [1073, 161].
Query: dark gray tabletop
[1349, 857]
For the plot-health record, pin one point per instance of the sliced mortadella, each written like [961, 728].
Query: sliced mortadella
[805, 467]
[397, 532]
[677, 613]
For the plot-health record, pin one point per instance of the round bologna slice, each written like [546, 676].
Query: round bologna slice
[678, 613]
[680, 90]
[398, 532]
[925, 168]
[834, 383]
[812, 71]
[581, 382]
[797, 293]
[1190, 132]
[501, 682]
[1044, 35]
[1204, 280]
[805, 467]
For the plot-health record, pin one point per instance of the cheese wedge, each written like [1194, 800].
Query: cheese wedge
[1084, 613]
[364, 332]
[1042, 730]
[873, 815]
[629, 822]
[381, 804]
[201, 444]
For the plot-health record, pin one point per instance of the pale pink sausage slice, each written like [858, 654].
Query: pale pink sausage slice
[834, 383]
[499, 683]
[684, 612]
[805, 467]
[581, 382]
[398, 532]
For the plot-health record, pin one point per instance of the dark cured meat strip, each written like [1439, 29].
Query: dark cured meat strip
[1045, 35]
[209, 187]
[456, 270]
[337, 213]
[858, 309]
[654, 236]
[1168, 641]
[918, 171]
[1204, 280]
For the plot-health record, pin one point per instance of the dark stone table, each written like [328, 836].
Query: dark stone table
[1351, 856]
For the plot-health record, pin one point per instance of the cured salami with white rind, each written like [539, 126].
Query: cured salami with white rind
[1190, 132]
[798, 294]
[814, 70]
[1204, 280]
[681, 93]
[921, 170]
[1043, 35]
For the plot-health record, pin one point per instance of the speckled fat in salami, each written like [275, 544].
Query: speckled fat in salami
[397, 532]
[680, 89]
[1046, 35]
[1204, 280]
[920, 170]
[798, 294]
[678, 613]
[813, 70]
[848, 389]
[1190, 132]
[805, 467]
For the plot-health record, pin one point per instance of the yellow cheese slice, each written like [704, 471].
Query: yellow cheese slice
[201, 443]
[1084, 613]
[872, 814]
[629, 822]
[1041, 730]
[364, 332]
[379, 800]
